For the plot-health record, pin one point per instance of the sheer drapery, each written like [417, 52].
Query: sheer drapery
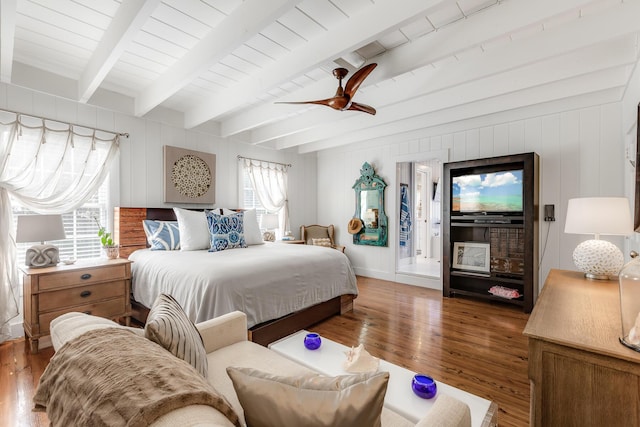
[51, 168]
[269, 181]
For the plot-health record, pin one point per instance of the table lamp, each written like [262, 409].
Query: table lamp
[598, 259]
[269, 223]
[40, 228]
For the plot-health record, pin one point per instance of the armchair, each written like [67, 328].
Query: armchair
[310, 232]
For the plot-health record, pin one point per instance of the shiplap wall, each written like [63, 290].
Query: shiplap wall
[581, 154]
[140, 167]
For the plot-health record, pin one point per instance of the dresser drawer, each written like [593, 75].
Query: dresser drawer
[107, 309]
[88, 276]
[81, 295]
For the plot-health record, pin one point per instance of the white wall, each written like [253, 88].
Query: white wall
[140, 164]
[581, 150]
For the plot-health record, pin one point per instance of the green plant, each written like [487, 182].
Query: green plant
[105, 236]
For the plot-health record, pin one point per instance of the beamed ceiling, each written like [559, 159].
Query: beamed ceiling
[226, 62]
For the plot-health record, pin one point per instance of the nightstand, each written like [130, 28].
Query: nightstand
[292, 242]
[99, 286]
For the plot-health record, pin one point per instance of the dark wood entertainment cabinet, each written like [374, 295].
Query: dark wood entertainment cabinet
[513, 239]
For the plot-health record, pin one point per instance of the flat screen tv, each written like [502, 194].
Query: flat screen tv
[495, 193]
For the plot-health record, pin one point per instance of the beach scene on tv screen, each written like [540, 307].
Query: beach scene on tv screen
[488, 192]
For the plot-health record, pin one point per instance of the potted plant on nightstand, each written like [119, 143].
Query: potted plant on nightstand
[111, 250]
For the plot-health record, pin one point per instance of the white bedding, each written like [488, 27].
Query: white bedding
[264, 281]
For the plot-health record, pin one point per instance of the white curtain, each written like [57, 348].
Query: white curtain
[269, 181]
[51, 168]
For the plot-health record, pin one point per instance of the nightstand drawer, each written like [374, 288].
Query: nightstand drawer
[81, 295]
[107, 309]
[78, 276]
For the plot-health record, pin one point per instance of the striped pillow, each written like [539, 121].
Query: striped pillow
[169, 326]
[162, 235]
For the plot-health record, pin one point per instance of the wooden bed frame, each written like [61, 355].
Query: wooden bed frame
[129, 234]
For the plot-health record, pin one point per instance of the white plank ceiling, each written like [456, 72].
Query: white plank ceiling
[229, 61]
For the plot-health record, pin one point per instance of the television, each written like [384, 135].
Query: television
[493, 193]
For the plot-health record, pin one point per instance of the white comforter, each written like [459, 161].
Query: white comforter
[264, 281]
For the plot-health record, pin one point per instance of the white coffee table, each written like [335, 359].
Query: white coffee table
[328, 360]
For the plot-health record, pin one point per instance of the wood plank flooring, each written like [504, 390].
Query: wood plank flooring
[473, 345]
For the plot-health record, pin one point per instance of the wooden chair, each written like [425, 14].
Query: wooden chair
[319, 233]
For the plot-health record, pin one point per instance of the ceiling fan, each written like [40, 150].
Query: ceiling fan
[342, 100]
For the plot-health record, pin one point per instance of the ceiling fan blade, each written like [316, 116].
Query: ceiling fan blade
[356, 80]
[362, 107]
[337, 102]
[319, 102]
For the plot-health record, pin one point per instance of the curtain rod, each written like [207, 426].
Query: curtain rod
[266, 161]
[125, 134]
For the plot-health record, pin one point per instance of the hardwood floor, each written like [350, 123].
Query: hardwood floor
[472, 345]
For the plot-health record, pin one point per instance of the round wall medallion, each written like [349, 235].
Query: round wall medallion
[191, 176]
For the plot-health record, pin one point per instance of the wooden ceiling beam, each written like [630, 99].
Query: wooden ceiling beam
[551, 43]
[128, 20]
[242, 24]
[503, 20]
[358, 31]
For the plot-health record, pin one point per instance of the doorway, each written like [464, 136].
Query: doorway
[418, 204]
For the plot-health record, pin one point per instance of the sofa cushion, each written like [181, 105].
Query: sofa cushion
[447, 412]
[169, 326]
[309, 400]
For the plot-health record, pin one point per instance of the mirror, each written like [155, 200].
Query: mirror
[369, 190]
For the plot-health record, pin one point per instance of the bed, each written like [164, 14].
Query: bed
[281, 287]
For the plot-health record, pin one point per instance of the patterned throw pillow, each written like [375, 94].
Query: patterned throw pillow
[324, 241]
[169, 326]
[226, 231]
[162, 235]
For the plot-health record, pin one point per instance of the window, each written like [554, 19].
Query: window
[249, 198]
[79, 226]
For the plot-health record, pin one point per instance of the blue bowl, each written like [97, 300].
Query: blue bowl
[312, 341]
[424, 386]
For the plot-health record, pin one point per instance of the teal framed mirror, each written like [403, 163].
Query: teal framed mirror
[369, 189]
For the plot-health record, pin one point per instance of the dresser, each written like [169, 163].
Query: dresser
[100, 287]
[580, 374]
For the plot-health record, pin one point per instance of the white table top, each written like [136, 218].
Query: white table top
[328, 360]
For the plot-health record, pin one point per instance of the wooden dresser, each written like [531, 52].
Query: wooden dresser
[579, 372]
[100, 287]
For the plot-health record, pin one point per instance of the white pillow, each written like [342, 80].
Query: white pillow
[252, 234]
[194, 230]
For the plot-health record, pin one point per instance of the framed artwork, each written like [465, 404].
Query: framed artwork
[189, 176]
[471, 256]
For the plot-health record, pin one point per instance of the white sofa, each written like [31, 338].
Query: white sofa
[225, 340]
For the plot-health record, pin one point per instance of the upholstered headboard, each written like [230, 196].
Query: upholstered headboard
[127, 226]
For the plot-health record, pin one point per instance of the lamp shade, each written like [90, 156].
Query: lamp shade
[269, 221]
[39, 228]
[599, 215]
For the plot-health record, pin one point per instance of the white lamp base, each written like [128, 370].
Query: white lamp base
[40, 256]
[598, 259]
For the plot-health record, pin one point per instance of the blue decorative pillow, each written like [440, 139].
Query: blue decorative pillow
[162, 235]
[226, 231]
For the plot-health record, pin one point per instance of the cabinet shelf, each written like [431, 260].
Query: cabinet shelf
[488, 297]
[490, 277]
[487, 225]
[513, 240]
